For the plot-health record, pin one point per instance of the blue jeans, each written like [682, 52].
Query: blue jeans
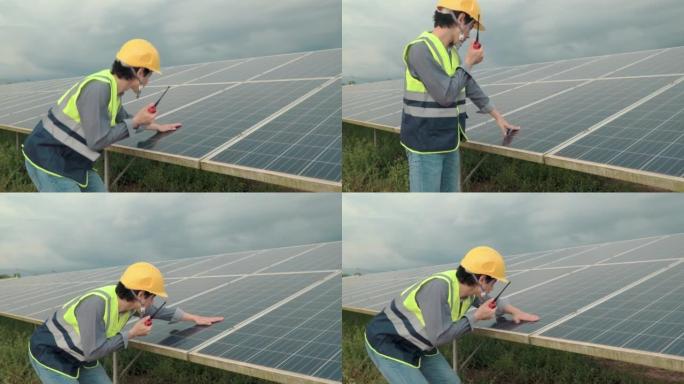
[433, 369]
[48, 183]
[435, 172]
[95, 375]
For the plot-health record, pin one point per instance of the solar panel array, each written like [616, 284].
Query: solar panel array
[274, 118]
[622, 110]
[281, 307]
[626, 294]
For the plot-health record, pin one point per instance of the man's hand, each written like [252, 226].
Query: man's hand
[143, 117]
[474, 56]
[524, 316]
[504, 125]
[201, 320]
[140, 329]
[164, 127]
[484, 312]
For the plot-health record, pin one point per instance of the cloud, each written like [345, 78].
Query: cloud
[49, 39]
[518, 31]
[397, 231]
[66, 232]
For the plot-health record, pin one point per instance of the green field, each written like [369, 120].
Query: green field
[148, 369]
[143, 175]
[502, 362]
[378, 164]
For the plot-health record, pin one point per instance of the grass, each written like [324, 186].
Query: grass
[148, 369]
[502, 362]
[143, 175]
[381, 166]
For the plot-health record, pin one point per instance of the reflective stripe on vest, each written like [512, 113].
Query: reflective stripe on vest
[63, 121]
[407, 317]
[427, 126]
[64, 327]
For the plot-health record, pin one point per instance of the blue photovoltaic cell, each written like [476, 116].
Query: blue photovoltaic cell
[304, 141]
[648, 138]
[302, 336]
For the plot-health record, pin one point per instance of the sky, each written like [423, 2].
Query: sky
[72, 232]
[374, 32]
[42, 39]
[383, 232]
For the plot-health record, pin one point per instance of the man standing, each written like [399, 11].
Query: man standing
[402, 340]
[66, 348]
[437, 83]
[60, 152]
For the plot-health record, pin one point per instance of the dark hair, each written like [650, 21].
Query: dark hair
[123, 72]
[124, 293]
[467, 278]
[444, 20]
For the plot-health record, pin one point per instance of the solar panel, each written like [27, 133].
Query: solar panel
[295, 290]
[603, 65]
[315, 64]
[548, 124]
[175, 98]
[582, 295]
[221, 103]
[190, 75]
[667, 61]
[215, 120]
[648, 137]
[303, 336]
[304, 141]
[558, 104]
[647, 317]
[236, 300]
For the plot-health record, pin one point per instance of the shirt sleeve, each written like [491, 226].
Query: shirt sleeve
[501, 303]
[94, 341]
[432, 299]
[442, 87]
[93, 107]
[172, 315]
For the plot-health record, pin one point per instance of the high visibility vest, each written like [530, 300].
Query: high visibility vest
[426, 126]
[57, 145]
[60, 333]
[407, 317]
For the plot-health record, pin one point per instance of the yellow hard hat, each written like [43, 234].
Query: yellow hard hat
[485, 261]
[144, 277]
[471, 7]
[139, 53]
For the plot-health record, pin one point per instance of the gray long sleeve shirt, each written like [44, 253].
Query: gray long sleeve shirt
[94, 341]
[433, 300]
[93, 107]
[442, 87]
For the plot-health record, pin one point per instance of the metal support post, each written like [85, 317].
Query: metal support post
[115, 368]
[106, 170]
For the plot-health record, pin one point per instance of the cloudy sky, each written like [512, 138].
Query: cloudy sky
[72, 232]
[384, 232]
[48, 39]
[518, 31]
